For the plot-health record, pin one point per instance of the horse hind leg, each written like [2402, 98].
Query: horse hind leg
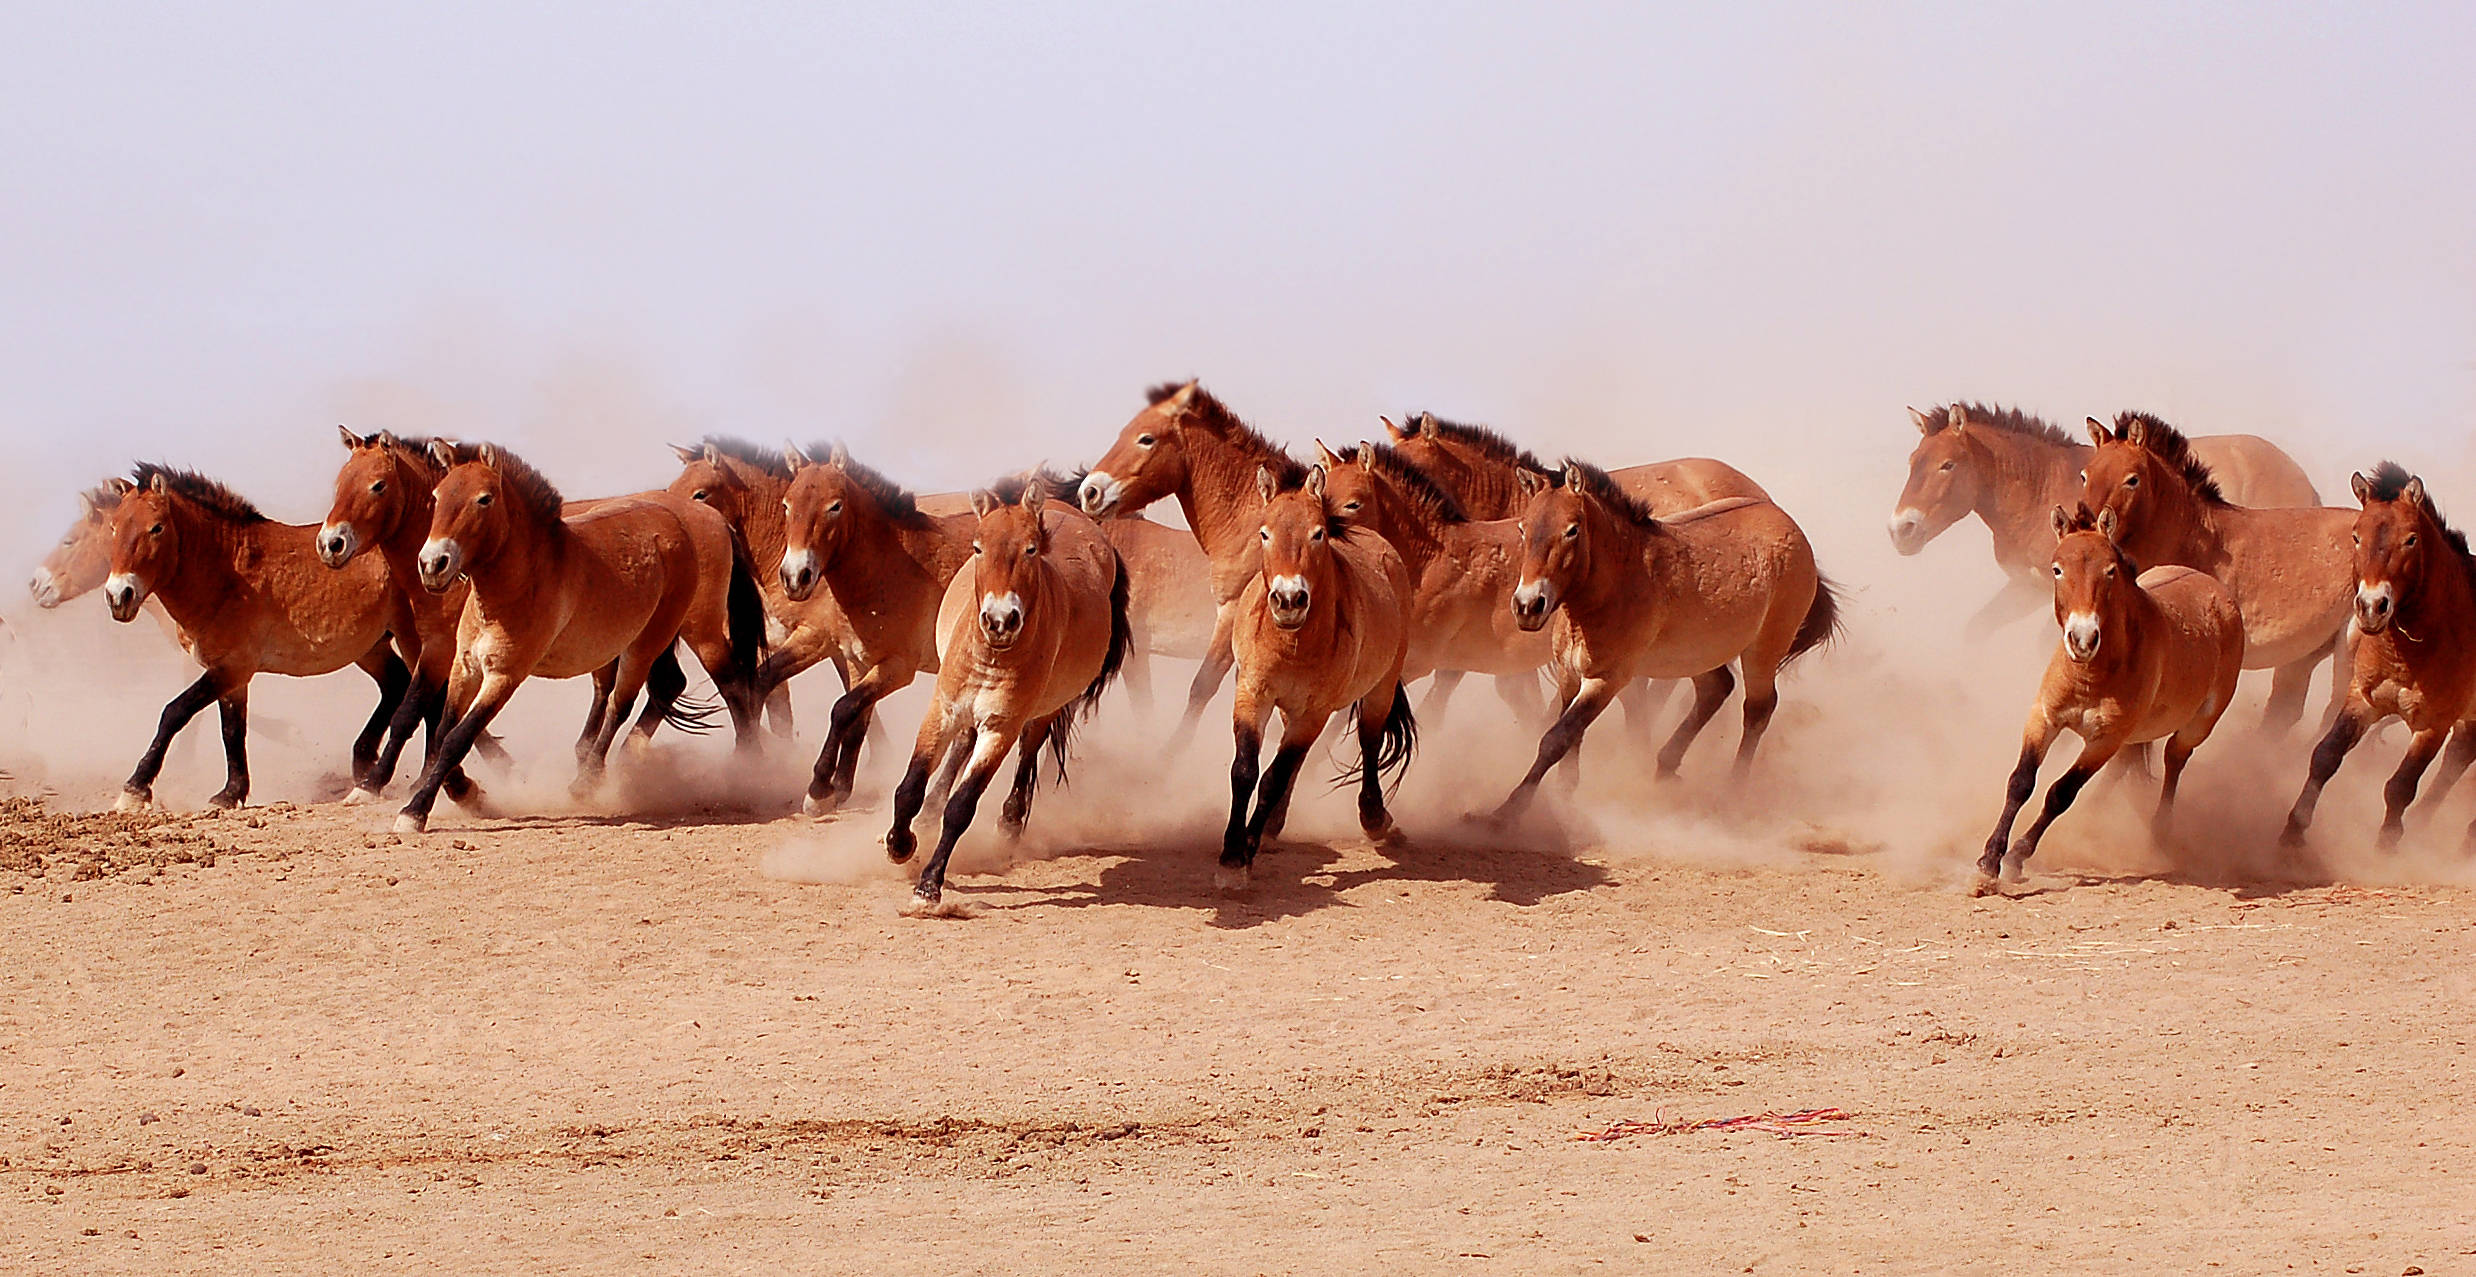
[665, 683]
[391, 722]
[234, 706]
[1018, 809]
[1710, 692]
[1762, 698]
[1440, 690]
[2288, 685]
[2455, 760]
[2401, 791]
[603, 680]
[139, 790]
[1218, 658]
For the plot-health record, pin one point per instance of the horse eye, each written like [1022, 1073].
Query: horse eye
[1030, 550]
[2411, 540]
[2132, 481]
[1316, 535]
[378, 487]
[836, 508]
[975, 547]
[700, 494]
[1143, 441]
[2084, 476]
[1266, 534]
[155, 531]
[2058, 571]
[483, 499]
[786, 505]
[1950, 464]
[1572, 530]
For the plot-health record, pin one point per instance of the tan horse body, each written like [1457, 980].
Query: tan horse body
[2415, 655]
[251, 598]
[2012, 470]
[851, 532]
[1637, 596]
[2290, 569]
[1482, 470]
[2145, 656]
[1322, 627]
[1032, 631]
[604, 591]
[1169, 607]
[1188, 445]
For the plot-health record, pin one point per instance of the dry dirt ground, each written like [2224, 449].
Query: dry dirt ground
[277, 1041]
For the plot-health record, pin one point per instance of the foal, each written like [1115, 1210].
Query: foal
[886, 563]
[1034, 631]
[2145, 656]
[1323, 625]
[1641, 596]
[2414, 658]
[249, 598]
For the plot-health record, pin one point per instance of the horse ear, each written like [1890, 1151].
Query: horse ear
[687, 456]
[2063, 521]
[1399, 435]
[2137, 434]
[1366, 450]
[794, 456]
[443, 451]
[1266, 486]
[2413, 493]
[1427, 425]
[85, 503]
[1177, 403]
[2108, 522]
[1573, 476]
[2098, 432]
[488, 455]
[1531, 483]
[1315, 482]
[351, 440]
[1925, 424]
[1035, 491]
[840, 457]
[156, 482]
[1325, 456]
[2361, 486]
[118, 486]
[1958, 421]
[983, 502]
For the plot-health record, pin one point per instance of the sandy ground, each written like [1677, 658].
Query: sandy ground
[279, 1041]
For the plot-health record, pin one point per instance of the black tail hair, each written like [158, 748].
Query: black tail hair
[746, 609]
[1822, 620]
[1399, 742]
[684, 712]
[1121, 641]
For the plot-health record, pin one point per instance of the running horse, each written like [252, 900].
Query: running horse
[1033, 631]
[81, 559]
[747, 485]
[249, 598]
[1636, 595]
[1187, 444]
[606, 591]
[1323, 626]
[2290, 569]
[1483, 470]
[2415, 657]
[2145, 656]
[863, 539]
[2011, 469]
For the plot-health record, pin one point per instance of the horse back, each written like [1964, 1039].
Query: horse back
[2255, 472]
[1682, 484]
[290, 614]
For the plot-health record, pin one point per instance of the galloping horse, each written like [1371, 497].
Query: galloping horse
[1032, 633]
[83, 557]
[1637, 596]
[2290, 570]
[2145, 656]
[604, 592]
[249, 598]
[1324, 624]
[1461, 571]
[2415, 657]
[886, 562]
[2011, 469]
[1189, 445]
[1483, 470]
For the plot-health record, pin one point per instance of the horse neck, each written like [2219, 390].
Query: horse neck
[2182, 529]
[887, 549]
[1416, 536]
[1219, 497]
[762, 523]
[2444, 604]
[401, 546]
[529, 560]
[2025, 479]
[209, 573]
[1493, 489]
[1618, 549]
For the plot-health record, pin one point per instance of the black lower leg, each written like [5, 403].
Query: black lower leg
[388, 724]
[959, 811]
[1274, 795]
[2401, 791]
[235, 709]
[1243, 769]
[1710, 692]
[450, 757]
[2058, 800]
[901, 842]
[176, 715]
[2327, 756]
[1026, 776]
[2024, 782]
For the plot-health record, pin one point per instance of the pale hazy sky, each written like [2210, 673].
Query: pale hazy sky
[965, 237]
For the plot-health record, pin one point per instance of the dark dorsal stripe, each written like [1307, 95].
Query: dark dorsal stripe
[893, 499]
[761, 459]
[1482, 440]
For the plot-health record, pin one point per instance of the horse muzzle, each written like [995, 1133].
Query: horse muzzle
[1907, 528]
[337, 543]
[1287, 599]
[2376, 607]
[2081, 637]
[45, 588]
[440, 562]
[1001, 620]
[1533, 601]
[799, 574]
[1099, 494]
[123, 595]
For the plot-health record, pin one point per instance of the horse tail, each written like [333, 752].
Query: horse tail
[745, 607]
[1822, 620]
[667, 685]
[1400, 739]
[1121, 641]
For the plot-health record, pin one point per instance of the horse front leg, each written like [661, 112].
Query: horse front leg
[2455, 760]
[138, 792]
[941, 732]
[1027, 774]
[2401, 790]
[2059, 800]
[382, 737]
[1376, 727]
[2288, 685]
[1218, 658]
[2019, 597]
[1588, 703]
[928, 894]
[2035, 740]
[1247, 726]
[1440, 689]
[2327, 756]
[479, 708]
[234, 707]
[839, 761]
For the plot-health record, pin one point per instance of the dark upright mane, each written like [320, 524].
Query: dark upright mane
[1414, 483]
[1482, 440]
[1063, 484]
[531, 488]
[2169, 445]
[197, 488]
[2389, 482]
[2008, 420]
[1287, 470]
[1597, 485]
[764, 460]
[893, 499]
[414, 451]
[2082, 520]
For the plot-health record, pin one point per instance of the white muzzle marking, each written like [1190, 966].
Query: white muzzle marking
[1532, 601]
[45, 588]
[2080, 636]
[799, 572]
[1100, 493]
[1288, 598]
[1001, 619]
[1905, 523]
[123, 593]
[441, 560]
[337, 543]
[2376, 606]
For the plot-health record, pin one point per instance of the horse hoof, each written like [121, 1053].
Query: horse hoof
[411, 824]
[361, 796]
[1389, 835]
[920, 906]
[813, 805]
[1986, 885]
[129, 801]
[1231, 879]
[222, 802]
[900, 850]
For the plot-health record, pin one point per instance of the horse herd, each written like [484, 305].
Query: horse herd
[452, 572]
